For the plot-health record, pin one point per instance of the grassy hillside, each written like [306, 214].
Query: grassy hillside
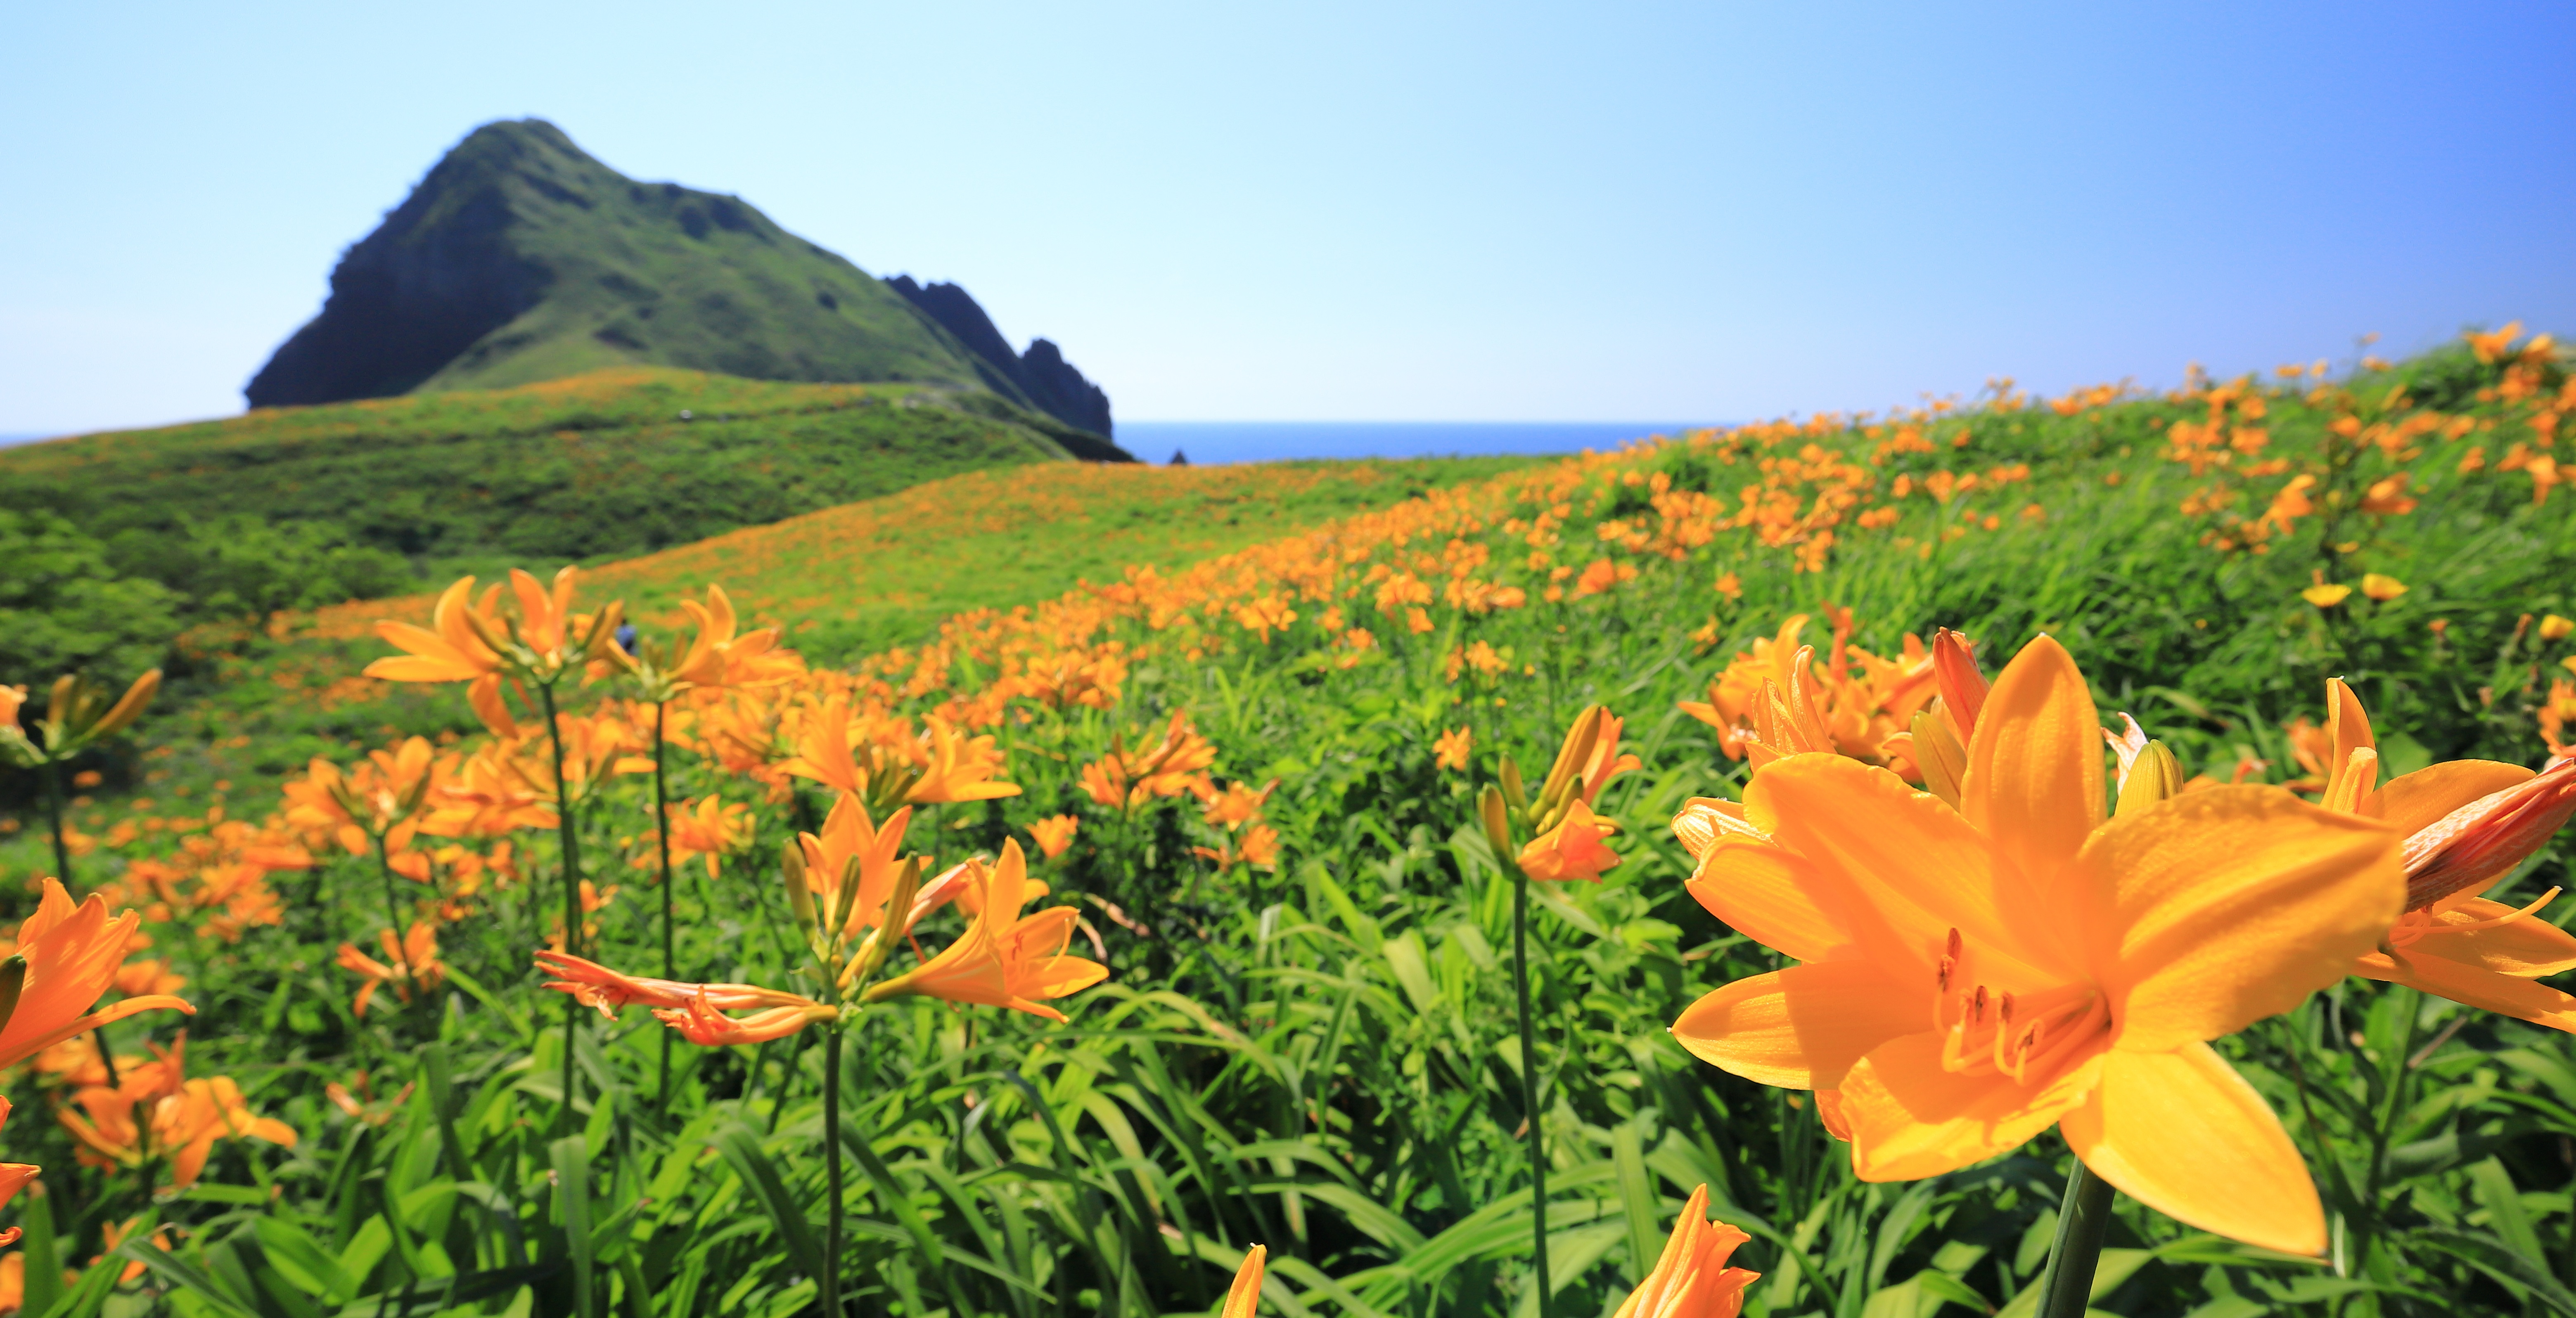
[610, 463]
[1307, 1038]
[845, 581]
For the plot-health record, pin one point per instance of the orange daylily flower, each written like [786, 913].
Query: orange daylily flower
[716, 658]
[1691, 1278]
[853, 849]
[14, 1177]
[2468, 824]
[1243, 1297]
[1573, 849]
[597, 986]
[1053, 834]
[471, 640]
[1854, 712]
[77, 713]
[491, 794]
[2074, 968]
[186, 1116]
[414, 965]
[73, 956]
[1451, 749]
[707, 827]
[1003, 960]
[385, 796]
[959, 769]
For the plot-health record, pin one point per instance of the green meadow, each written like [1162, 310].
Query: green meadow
[1308, 1034]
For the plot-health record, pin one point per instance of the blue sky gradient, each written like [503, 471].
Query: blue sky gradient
[1359, 211]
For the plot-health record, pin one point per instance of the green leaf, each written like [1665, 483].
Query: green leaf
[2501, 1261]
[1412, 969]
[301, 1259]
[1637, 1196]
[741, 1150]
[571, 1158]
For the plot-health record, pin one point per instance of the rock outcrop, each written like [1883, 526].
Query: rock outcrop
[1042, 374]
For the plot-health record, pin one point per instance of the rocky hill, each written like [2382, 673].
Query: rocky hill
[519, 258]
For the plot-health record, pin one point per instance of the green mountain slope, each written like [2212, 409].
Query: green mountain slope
[614, 462]
[519, 258]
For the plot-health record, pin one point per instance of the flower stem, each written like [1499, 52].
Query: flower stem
[662, 836]
[1529, 1086]
[54, 814]
[569, 844]
[63, 872]
[393, 913]
[2067, 1289]
[832, 1174]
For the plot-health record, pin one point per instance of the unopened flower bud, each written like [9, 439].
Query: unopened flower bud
[800, 899]
[1498, 824]
[1963, 687]
[2471, 847]
[2154, 776]
[1939, 754]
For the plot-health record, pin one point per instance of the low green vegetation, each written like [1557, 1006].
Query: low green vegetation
[1307, 1038]
[293, 508]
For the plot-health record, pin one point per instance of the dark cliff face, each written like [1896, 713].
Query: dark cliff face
[439, 274]
[1041, 374]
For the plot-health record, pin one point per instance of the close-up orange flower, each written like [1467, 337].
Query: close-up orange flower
[2467, 825]
[1003, 959]
[1691, 1278]
[1969, 978]
[73, 952]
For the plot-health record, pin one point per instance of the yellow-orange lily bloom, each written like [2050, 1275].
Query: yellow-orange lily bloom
[1691, 1278]
[14, 1177]
[415, 965]
[853, 848]
[960, 769]
[2468, 824]
[1243, 1298]
[1003, 960]
[595, 985]
[73, 954]
[1572, 849]
[471, 640]
[1972, 977]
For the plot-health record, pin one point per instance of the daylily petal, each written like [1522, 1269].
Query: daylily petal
[2527, 947]
[2182, 1133]
[2034, 781]
[2507, 995]
[1768, 894]
[2410, 802]
[2215, 909]
[1911, 1117]
[1903, 868]
[1803, 1027]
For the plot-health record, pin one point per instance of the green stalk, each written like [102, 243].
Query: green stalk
[54, 813]
[662, 834]
[393, 912]
[832, 1164]
[2067, 1288]
[63, 871]
[1529, 1084]
[569, 844]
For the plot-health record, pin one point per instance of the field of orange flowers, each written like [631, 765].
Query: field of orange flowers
[2019, 855]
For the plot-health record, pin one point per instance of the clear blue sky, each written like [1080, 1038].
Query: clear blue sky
[1379, 211]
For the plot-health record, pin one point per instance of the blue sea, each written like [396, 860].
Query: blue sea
[1267, 441]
